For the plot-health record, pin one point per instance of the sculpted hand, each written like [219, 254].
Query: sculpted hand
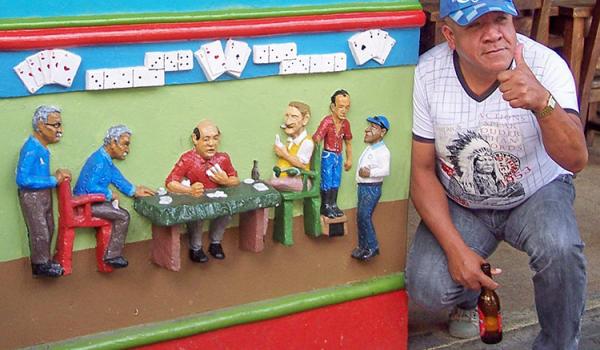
[220, 177]
[197, 189]
[465, 269]
[281, 152]
[62, 174]
[364, 172]
[348, 164]
[143, 191]
[520, 87]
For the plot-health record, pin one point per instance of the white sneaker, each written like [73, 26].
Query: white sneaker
[463, 323]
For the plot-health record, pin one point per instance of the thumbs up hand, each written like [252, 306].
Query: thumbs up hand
[519, 86]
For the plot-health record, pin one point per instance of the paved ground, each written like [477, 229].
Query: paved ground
[428, 331]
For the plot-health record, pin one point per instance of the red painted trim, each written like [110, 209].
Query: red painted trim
[377, 322]
[137, 33]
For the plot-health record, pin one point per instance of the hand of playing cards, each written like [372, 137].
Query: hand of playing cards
[214, 61]
[373, 44]
[48, 67]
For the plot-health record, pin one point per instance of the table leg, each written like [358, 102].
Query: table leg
[253, 228]
[573, 48]
[166, 246]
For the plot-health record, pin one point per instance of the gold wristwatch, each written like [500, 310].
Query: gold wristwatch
[548, 109]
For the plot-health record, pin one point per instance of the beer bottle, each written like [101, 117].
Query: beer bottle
[488, 308]
[254, 173]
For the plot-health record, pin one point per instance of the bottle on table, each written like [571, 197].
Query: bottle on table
[255, 175]
[488, 308]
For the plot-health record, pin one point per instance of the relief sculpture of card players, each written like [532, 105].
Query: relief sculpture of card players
[200, 169]
[35, 184]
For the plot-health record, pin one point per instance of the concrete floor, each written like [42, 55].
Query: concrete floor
[429, 330]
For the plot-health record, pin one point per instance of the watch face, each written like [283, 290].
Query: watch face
[551, 102]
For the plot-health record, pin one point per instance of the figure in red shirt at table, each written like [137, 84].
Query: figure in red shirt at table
[199, 169]
[334, 130]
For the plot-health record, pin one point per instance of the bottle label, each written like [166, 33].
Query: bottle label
[489, 323]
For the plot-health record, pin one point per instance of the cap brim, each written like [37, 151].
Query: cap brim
[467, 15]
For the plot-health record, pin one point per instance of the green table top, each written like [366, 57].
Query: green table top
[185, 208]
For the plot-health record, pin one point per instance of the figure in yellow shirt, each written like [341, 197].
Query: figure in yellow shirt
[297, 152]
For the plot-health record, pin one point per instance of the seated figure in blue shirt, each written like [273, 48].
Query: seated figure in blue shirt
[97, 174]
[35, 185]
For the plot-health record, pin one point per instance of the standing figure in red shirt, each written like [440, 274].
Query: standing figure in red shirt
[196, 170]
[334, 129]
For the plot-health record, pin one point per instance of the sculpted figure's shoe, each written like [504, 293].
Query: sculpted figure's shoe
[368, 254]
[357, 252]
[47, 270]
[198, 256]
[216, 251]
[118, 263]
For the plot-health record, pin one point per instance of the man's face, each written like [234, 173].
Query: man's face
[208, 143]
[341, 106]
[294, 123]
[487, 45]
[51, 131]
[374, 133]
[120, 149]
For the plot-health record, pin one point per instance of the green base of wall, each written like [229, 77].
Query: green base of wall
[263, 310]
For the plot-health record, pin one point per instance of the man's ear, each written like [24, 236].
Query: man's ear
[449, 35]
[305, 119]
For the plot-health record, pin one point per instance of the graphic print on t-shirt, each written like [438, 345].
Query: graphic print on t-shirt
[477, 173]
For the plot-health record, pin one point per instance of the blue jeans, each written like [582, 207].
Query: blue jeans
[368, 196]
[331, 170]
[544, 227]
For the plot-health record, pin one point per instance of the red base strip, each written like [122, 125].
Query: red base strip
[137, 33]
[378, 322]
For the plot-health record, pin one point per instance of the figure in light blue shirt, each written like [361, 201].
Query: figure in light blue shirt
[35, 183]
[97, 174]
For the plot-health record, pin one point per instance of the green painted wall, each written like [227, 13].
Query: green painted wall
[247, 111]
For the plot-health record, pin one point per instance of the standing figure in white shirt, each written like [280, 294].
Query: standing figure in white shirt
[373, 166]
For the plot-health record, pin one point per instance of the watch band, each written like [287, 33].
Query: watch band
[548, 109]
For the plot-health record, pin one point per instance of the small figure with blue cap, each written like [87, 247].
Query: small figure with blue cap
[373, 166]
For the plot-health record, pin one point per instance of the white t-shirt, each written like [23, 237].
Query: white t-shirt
[488, 154]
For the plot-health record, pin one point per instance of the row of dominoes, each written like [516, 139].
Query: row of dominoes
[170, 61]
[306, 64]
[273, 53]
[122, 78]
[48, 67]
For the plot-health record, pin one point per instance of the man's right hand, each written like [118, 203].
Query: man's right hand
[465, 269]
[197, 189]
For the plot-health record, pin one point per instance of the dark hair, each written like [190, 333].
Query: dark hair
[338, 93]
[197, 133]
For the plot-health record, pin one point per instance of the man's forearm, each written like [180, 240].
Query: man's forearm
[563, 138]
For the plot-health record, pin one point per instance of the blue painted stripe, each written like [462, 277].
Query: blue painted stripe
[405, 52]
[45, 8]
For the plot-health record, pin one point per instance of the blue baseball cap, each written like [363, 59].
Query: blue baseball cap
[380, 120]
[463, 12]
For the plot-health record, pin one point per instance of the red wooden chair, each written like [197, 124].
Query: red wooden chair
[76, 212]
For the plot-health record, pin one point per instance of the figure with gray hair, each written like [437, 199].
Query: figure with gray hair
[97, 174]
[35, 183]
